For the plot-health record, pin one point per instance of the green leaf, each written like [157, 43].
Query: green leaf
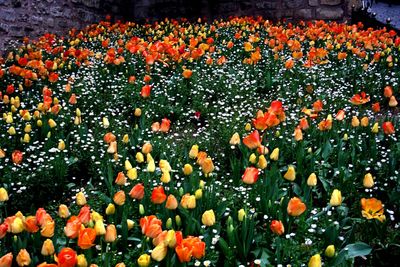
[326, 151]
[357, 249]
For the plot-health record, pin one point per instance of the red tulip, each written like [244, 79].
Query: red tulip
[158, 195]
[388, 128]
[250, 175]
[253, 140]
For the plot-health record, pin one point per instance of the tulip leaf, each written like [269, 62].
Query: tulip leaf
[358, 249]
[326, 151]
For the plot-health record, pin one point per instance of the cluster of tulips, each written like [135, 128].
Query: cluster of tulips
[236, 142]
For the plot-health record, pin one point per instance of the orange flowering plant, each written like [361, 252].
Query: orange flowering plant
[237, 141]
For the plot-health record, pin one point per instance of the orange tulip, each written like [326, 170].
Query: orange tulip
[151, 226]
[277, 227]
[119, 198]
[252, 140]
[303, 124]
[6, 260]
[86, 238]
[296, 207]
[250, 175]
[137, 192]
[171, 203]
[145, 92]
[388, 128]
[340, 115]
[359, 99]
[84, 214]
[158, 195]
[17, 157]
[30, 224]
[109, 137]
[165, 125]
[372, 208]
[23, 258]
[121, 179]
[72, 228]
[187, 73]
[67, 258]
[388, 91]
[111, 233]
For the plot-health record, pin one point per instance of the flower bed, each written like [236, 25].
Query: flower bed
[236, 142]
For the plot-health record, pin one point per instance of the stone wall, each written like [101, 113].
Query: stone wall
[33, 18]
[19, 18]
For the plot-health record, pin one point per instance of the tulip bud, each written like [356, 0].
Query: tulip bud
[63, 211]
[168, 224]
[119, 198]
[392, 102]
[194, 151]
[208, 218]
[277, 227]
[144, 260]
[110, 210]
[125, 139]
[78, 112]
[6, 260]
[132, 174]
[23, 258]
[235, 139]
[147, 148]
[198, 194]
[290, 175]
[99, 227]
[52, 123]
[159, 252]
[187, 169]
[312, 180]
[241, 215]
[81, 261]
[368, 181]
[130, 224]
[138, 112]
[248, 127]
[262, 162]
[11, 131]
[345, 137]
[128, 165]
[80, 199]
[111, 233]
[275, 154]
[28, 128]
[106, 123]
[151, 166]
[375, 128]
[61, 145]
[3, 195]
[330, 251]
[17, 226]
[178, 221]
[48, 248]
[336, 198]
[315, 261]
[253, 158]
[355, 122]
[141, 209]
[165, 177]
[139, 157]
[364, 122]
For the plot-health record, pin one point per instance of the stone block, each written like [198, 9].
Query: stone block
[331, 2]
[313, 2]
[304, 13]
[329, 13]
[245, 5]
[293, 3]
[266, 5]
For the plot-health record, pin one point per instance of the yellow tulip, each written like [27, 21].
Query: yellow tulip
[275, 154]
[336, 198]
[187, 169]
[330, 251]
[144, 260]
[312, 180]
[315, 261]
[3, 195]
[208, 218]
[290, 175]
[47, 248]
[368, 181]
